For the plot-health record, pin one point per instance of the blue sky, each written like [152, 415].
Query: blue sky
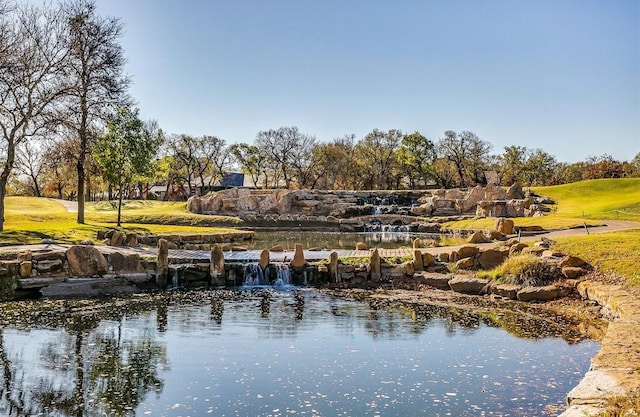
[559, 75]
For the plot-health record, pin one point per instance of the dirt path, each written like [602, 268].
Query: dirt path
[70, 206]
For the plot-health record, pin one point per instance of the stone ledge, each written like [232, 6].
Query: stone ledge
[615, 369]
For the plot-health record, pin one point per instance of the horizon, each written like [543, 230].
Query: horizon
[562, 77]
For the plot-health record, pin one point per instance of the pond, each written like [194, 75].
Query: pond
[262, 352]
[338, 240]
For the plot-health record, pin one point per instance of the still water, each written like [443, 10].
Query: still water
[262, 352]
[336, 240]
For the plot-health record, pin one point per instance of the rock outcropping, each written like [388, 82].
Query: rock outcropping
[489, 201]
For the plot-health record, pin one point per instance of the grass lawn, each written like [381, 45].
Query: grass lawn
[30, 219]
[614, 253]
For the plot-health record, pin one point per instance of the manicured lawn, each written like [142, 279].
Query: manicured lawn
[30, 219]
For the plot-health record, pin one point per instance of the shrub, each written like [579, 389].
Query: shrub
[526, 270]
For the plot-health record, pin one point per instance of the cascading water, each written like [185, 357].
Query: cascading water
[253, 275]
[281, 274]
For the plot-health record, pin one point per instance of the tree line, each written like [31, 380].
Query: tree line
[70, 130]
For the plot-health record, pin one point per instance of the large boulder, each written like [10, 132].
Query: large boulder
[478, 237]
[473, 197]
[505, 226]
[515, 191]
[122, 264]
[86, 261]
[509, 291]
[491, 258]
[440, 281]
[468, 251]
[546, 293]
[468, 285]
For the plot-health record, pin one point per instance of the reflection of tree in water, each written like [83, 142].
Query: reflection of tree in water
[125, 371]
[87, 371]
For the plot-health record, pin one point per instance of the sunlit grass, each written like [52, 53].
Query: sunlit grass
[609, 199]
[28, 220]
[613, 253]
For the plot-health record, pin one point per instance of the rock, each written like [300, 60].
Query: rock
[216, 265]
[87, 242]
[25, 269]
[533, 250]
[117, 238]
[443, 257]
[494, 192]
[432, 279]
[264, 259]
[573, 261]
[361, 246]
[468, 285]
[515, 191]
[162, 263]
[48, 241]
[546, 293]
[573, 272]
[374, 262]
[509, 291]
[409, 268]
[532, 228]
[86, 261]
[25, 256]
[471, 201]
[491, 258]
[125, 263]
[276, 248]
[495, 235]
[427, 259]
[429, 227]
[478, 237]
[298, 263]
[467, 252]
[504, 226]
[417, 243]
[465, 263]
[418, 265]
[333, 267]
[517, 248]
[131, 240]
[550, 253]
[49, 266]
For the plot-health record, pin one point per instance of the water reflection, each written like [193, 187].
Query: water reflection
[265, 352]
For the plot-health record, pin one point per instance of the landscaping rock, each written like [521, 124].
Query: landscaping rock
[478, 237]
[468, 285]
[546, 293]
[465, 263]
[573, 272]
[517, 248]
[131, 240]
[298, 263]
[491, 258]
[49, 266]
[128, 263]
[573, 261]
[117, 238]
[427, 259]
[86, 261]
[440, 281]
[509, 291]
[467, 252]
[504, 226]
[361, 246]
[276, 248]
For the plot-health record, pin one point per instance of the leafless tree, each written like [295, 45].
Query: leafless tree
[32, 81]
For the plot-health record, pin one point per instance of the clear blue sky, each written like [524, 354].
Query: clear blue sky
[559, 75]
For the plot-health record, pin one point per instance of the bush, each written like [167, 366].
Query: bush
[526, 270]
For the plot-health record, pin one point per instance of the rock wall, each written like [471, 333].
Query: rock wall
[327, 205]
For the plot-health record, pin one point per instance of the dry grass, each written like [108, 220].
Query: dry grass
[523, 269]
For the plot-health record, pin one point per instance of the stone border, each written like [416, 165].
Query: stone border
[615, 370]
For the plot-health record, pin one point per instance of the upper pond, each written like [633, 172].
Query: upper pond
[261, 352]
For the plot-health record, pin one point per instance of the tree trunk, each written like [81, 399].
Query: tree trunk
[80, 193]
[4, 178]
[119, 205]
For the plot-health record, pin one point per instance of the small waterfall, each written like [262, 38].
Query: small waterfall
[282, 274]
[174, 278]
[253, 275]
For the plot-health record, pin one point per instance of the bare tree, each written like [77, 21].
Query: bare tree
[32, 58]
[30, 162]
[96, 71]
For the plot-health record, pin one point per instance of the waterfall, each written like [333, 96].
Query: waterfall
[282, 274]
[174, 278]
[253, 275]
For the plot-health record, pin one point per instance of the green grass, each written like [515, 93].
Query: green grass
[614, 253]
[605, 199]
[28, 220]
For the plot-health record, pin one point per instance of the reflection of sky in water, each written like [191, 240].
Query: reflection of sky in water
[285, 354]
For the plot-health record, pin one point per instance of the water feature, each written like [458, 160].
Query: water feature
[262, 352]
[338, 240]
